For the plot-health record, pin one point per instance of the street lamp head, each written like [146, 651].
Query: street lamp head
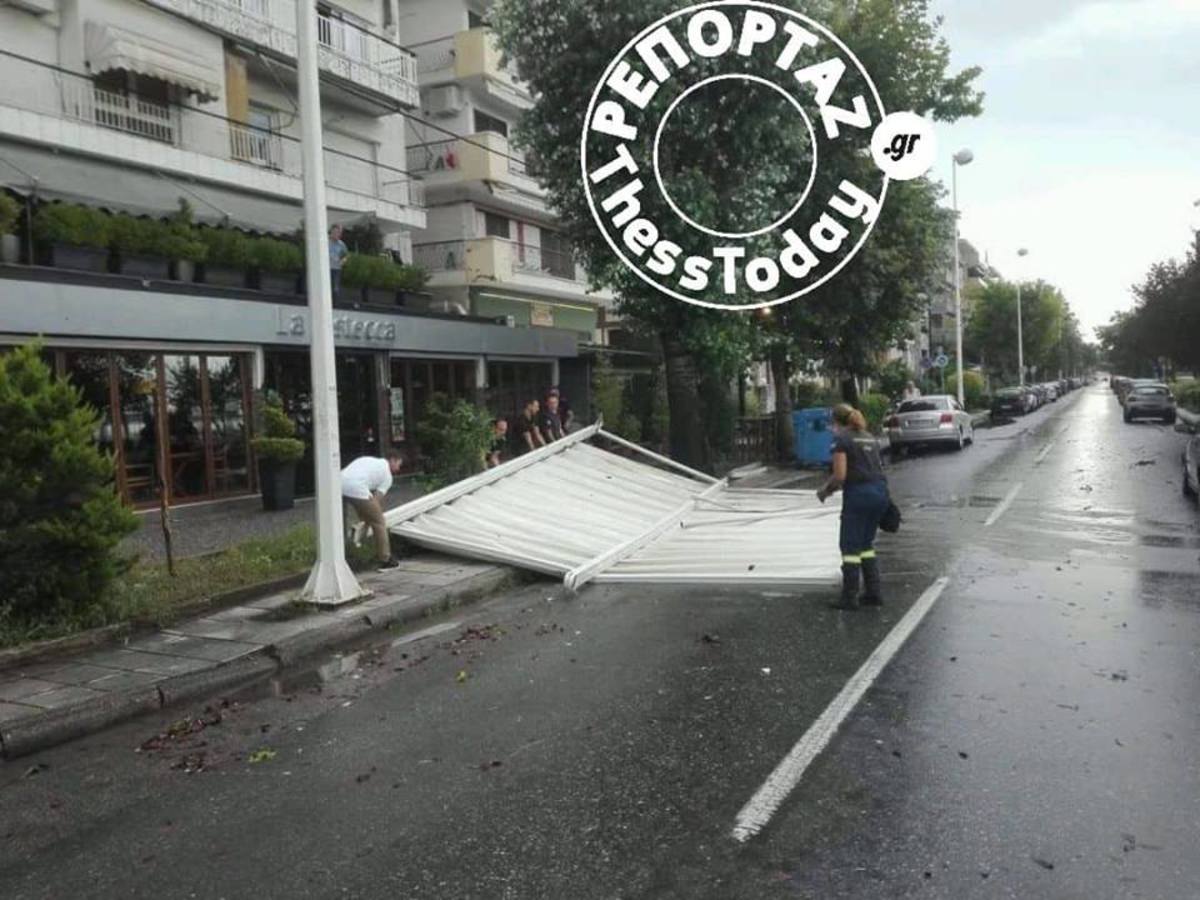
[963, 156]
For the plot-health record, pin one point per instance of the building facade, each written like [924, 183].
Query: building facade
[131, 106]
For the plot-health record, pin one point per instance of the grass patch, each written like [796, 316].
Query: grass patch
[147, 594]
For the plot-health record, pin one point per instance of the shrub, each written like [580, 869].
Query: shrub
[135, 236]
[809, 394]
[60, 519]
[273, 255]
[226, 247]
[894, 377]
[183, 240]
[364, 270]
[874, 408]
[1187, 395]
[10, 212]
[454, 436]
[973, 389]
[278, 442]
[69, 223]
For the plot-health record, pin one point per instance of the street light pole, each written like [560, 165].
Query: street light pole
[961, 158]
[331, 582]
[1020, 336]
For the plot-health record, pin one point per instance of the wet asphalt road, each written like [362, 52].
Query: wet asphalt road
[1036, 737]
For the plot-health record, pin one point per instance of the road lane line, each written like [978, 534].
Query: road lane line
[755, 815]
[1004, 505]
[1045, 452]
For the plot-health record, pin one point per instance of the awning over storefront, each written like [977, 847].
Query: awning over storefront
[110, 48]
[57, 176]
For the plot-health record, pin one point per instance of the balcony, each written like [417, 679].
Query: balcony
[492, 260]
[474, 58]
[352, 55]
[43, 106]
[480, 166]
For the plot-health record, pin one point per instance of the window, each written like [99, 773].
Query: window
[929, 404]
[556, 255]
[485, 122]
[258, 142]
[475, 20]
[496, 226]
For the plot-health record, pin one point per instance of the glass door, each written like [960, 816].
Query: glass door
[225, 400]
[181, 378]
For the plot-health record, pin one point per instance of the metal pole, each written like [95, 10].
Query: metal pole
[958, 324]
[331, 582]
[1020, 336]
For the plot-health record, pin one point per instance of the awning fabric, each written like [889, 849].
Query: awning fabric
[59, 176]
[109, 48]
[618, 518]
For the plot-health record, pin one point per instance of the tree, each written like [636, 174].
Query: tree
[60, 518]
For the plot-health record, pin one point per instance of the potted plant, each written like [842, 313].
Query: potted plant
[278, 264]
[277, 450]
[73, 236]
[182, 244]
[10, 244]
[227, 256]
[138, 246]
[371, 279]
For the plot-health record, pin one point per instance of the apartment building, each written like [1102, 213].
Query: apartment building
[132, 105]
[491, 241]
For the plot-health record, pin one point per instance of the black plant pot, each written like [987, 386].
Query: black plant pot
[83, 259]
[278, 484]
[376, 296]
[145, 266]
[277, 282]
[222, 276]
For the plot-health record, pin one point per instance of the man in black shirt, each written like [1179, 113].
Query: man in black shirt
[549, 423]
[499, 446]
[528, 435]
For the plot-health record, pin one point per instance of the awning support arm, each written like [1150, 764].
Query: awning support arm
[657, 457]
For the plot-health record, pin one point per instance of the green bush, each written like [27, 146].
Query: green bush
[273, 255]
[10, 212]
[183, 239]
[810, 394]
[69, 223]
[225, 247]
[1187, 395]
[278, 441]
[136, 236]
[973, 389]
[454, 435]
[365, 270]
[874, 408]
[60, 519]
[894, 377]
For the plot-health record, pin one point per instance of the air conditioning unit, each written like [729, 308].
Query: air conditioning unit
[445, 100]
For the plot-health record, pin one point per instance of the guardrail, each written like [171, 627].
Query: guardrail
[441, 256]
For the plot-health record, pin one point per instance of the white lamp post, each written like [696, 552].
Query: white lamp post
[1020, 337]
[961, 158]
[331, 582]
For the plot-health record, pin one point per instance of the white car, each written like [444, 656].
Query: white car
[935, 419]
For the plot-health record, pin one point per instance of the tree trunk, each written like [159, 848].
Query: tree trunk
[781, 373]
[687, 444]
[850, 390]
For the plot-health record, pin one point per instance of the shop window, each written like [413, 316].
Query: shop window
[137, 396]
[485, 122]
[230, 470]
[89, 372]
[185, 427]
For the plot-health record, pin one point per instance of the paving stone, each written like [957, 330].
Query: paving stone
[63, 696]
[20, 688]
[123, 681]
[253, 632]
[76, 673]
[273, 602]
[194, 647]
[133, 661]
[238, 614]
[9, 711]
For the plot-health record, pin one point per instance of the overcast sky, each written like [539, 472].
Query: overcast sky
[1088, 151]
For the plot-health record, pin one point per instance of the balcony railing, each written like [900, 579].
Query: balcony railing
[437, 156]
[494, 256]
[61, 94]
[441, 256]
[350, 51]
[541, 261]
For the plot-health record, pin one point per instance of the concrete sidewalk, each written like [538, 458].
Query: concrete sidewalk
[49, 701]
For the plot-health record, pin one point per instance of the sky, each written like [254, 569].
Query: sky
[1088, 150]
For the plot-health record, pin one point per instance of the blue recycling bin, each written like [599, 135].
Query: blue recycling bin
[813, 436]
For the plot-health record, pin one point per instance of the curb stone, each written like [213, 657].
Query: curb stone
[45, 729]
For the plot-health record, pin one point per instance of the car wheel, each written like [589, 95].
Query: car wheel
[961, 442]
[1128, 417]
[971, 435]
[1188, 490]
[1169, 418]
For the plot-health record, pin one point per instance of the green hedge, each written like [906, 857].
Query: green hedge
[225, 247]
[874, 408]
[70, 223]
[10, 212]
[1187, 395]
[278, 442]
[368, 270]
[973, 389]
[273, 255]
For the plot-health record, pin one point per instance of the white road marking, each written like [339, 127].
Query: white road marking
[1045, 452]
[755, 815]
[1004, 504]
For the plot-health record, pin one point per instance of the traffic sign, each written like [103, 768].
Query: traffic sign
[942, 361]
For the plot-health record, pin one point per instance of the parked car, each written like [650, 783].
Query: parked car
[1191, 467]
[934, 419]
[1150, 401]
[1119, 385]
[1040, 392]
[1052, 391]
[1012, 401]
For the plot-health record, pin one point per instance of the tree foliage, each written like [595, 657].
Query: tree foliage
[1050, 331]
[60, 518]
[454, 437]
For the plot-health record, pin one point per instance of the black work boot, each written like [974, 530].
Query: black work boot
[871, 587]
[850, 579]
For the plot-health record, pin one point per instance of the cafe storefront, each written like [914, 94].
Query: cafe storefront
[174, 376]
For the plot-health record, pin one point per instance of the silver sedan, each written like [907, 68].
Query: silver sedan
[935, 419]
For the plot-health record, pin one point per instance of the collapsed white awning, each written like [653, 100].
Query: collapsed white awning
[110, 48]
[583, 513]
